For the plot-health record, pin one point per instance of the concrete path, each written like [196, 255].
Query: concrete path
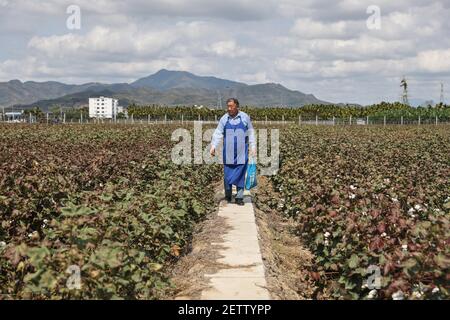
[243, 278]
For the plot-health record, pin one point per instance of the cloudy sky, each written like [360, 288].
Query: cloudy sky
[333, 49]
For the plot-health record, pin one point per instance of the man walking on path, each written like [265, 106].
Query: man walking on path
[236, 129]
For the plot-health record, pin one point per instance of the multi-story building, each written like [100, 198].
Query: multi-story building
[103, 107]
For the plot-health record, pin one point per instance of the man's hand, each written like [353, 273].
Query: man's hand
[212, 151]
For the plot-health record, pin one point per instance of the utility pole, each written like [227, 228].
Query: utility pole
[404, 85]
[219, 100]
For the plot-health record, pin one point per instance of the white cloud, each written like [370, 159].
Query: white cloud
[429, 62]
[318, 46]
[434, 61]
[118, 43]
[24, 69]
[228, 49]
[228, 10]
[296, 66]
[307, 28]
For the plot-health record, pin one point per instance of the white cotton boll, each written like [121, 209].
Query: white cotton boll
[30, 235]
[405, 247]
[372, 294]
[327, 234]
[416, 294]
[411, 212]
[352, 196]
[398, 295]
[435, 290]
[417, 207]
[2, 244]
[353, 187]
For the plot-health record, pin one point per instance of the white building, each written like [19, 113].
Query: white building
[105, 108]
[14, 117]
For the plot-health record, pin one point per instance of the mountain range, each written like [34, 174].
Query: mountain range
[162, 88]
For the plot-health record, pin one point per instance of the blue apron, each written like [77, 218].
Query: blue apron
[235, 165]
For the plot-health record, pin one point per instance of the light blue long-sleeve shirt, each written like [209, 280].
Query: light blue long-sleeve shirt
[218, 133]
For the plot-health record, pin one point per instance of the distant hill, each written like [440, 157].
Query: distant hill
[17, 92]
[75, 100]
[164, 87]
[166, 80]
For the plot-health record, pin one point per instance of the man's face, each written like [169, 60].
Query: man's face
[232, 108]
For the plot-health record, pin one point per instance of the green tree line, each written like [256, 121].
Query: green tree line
[381, 110]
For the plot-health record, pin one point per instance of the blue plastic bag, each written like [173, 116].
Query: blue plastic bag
[250, 179]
